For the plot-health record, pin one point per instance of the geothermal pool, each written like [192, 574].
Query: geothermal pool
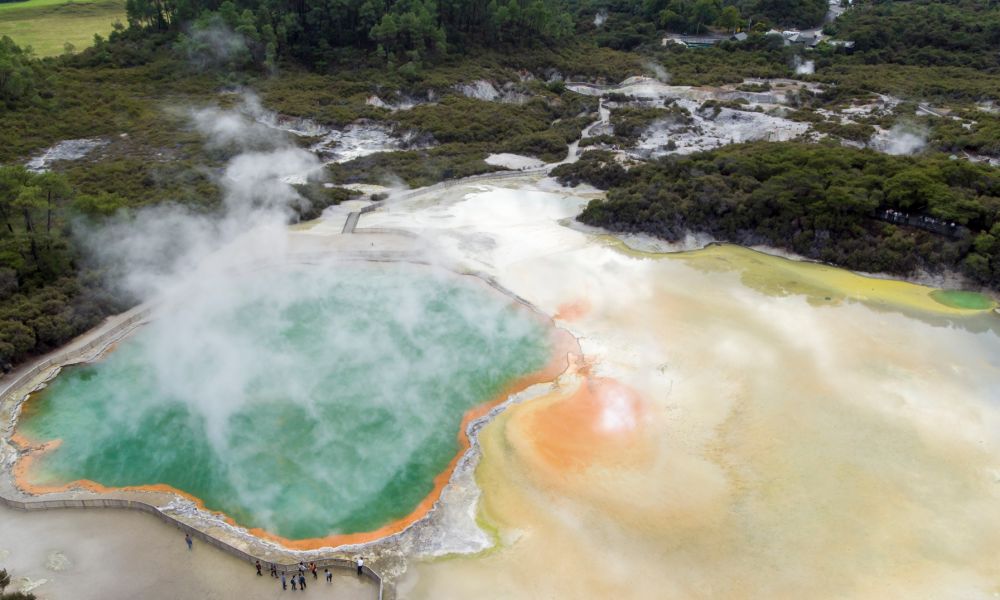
[308, 401]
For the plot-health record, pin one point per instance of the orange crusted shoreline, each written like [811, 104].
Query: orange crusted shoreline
[563, 345]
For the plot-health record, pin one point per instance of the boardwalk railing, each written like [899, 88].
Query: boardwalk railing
[195, 533]
[70, 354]
[925, 222]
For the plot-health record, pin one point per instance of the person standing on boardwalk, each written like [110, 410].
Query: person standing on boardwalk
[312, 567]
[293, 583]
[259, 574]
[284, 585]
[274, 571]
[361, 564]
[329, 575]
[188, 540]
[302, 581]
[302, 567]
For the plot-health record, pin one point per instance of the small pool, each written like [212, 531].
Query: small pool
[963, 299]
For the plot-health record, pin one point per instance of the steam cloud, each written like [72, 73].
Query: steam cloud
[903, 139]
[373, 343]
[213, 45]
[149, 253]
[661, 74]
[804, 67]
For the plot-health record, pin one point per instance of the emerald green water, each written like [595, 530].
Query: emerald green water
[308, 401]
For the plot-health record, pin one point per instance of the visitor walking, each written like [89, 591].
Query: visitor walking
[259, 574]
[188, 540]
[329, 575]
[293, 583]
[312, 567]
[302, 582]
[302, 567]
[361, 564]
[284, 584]
[274, 571]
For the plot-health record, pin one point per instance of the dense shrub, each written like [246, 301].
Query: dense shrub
[824, 202]
[961, 33]
[20, 77]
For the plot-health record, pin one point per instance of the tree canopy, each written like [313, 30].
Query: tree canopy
[694, 16]
[401, 30]
[962, 33]
[20, 77]
[854, 208]
[43, 303]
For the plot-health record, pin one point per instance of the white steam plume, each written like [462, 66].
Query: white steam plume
[903, 139]
[233, 337]
[149, 252]
[213, 45]
[804, 67]
[661, 74]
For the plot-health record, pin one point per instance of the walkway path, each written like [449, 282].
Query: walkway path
[925, 108]
[105, 560]
[352, 222]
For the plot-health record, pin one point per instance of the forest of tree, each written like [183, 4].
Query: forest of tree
[44, 299]
[962, 33]
[19, 75]
[629, 23]
[406, 33]
[403, 31]
[823, 202]
[694, 16]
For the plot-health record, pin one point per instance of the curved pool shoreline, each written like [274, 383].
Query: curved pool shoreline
[187, 512]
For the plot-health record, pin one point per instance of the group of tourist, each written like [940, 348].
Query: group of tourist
[296, 579]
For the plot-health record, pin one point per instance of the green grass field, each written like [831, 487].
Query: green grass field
[46, 25]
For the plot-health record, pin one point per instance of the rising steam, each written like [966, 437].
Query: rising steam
[212, 45]
[661, 74]
[803, 67]
[148, 253]
[903, 139]
[283, 373]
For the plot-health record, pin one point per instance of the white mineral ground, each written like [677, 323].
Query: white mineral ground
[122, 554]
[336, 145]
[485, 90]
[513, 161]
[401, 103]
[765, 118]
[707, 132]
[67, 150]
